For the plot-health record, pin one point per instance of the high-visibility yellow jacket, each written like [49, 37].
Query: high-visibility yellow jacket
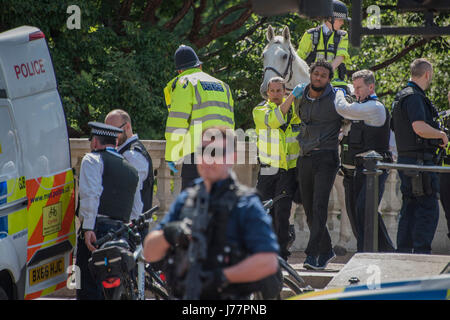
[277, 135]
[306, 46]
[196, 101]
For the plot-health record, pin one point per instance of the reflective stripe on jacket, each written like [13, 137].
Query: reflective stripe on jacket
[196, 101]
[277, 143]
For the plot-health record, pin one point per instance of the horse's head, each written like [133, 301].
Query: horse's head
[280, 59]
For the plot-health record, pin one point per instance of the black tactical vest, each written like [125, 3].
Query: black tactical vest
[407, 140]
[147, 184]
[119, 182]
[362, 138]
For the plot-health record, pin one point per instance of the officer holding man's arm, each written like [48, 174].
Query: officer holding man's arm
[417, 136]
[370, 130]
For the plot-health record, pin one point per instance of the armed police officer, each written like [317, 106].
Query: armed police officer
[277, 126]
[196, 101]
[328, 42]
[216, 239]
[370, 130]
[108, 184]
[417, 136]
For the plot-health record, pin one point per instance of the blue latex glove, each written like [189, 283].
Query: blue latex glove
[336, 89]
[298, 90]
[171, 165]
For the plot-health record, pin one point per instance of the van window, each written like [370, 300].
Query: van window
[8, 147]
[43, 134]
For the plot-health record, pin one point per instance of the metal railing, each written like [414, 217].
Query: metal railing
[372, 165]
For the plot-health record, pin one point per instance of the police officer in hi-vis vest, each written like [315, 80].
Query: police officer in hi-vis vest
[108, 184]
[196, 101]
[328, 42]
[277, 127]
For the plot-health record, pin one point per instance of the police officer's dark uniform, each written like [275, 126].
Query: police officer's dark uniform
[238, 228]
[107, 187]
[147, 184]
[360, 139]
[420, 210]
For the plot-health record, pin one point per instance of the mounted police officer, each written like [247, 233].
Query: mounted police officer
[196, 101]
[217, 241]
[417, 136]
[370, 130]
[328, 42]
[108, 184]
[277, 126]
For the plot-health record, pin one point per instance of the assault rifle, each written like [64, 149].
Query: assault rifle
[198, 246]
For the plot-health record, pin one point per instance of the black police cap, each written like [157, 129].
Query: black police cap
[105, 130]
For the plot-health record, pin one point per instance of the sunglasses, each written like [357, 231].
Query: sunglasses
[122, 125]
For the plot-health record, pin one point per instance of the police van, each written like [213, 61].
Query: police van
[37, 205]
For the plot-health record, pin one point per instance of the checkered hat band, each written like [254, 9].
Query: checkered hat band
[99, 132]
[340, 15]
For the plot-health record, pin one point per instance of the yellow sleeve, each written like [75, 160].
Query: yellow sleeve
[305, 46]
[178, 120]
[268, 118]
[342, 50]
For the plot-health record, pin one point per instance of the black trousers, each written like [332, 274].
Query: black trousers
[280, 186]
[316, 173]
[188, 171]
[444, 187]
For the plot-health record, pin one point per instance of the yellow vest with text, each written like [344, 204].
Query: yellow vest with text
[305, 47]
[277, 147]
[196, 101]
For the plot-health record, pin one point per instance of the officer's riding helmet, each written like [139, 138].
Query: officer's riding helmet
[340, 10]
[185, 58]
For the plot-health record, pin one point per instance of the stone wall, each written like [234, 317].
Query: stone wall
[168, 185]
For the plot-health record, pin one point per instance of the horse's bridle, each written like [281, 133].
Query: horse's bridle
[286, 71]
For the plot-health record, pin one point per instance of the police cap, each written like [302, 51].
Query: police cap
[105, 130]
[340, 10]
[185, 58]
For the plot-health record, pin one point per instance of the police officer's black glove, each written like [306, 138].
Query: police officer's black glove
[213, 281]
[178, 233]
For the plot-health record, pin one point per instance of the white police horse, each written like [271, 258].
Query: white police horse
[281, 59]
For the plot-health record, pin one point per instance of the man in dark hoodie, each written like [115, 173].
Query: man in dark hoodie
[319, 160]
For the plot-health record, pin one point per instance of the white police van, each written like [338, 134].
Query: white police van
[37, 206]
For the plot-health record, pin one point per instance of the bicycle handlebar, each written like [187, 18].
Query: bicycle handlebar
[127, 227]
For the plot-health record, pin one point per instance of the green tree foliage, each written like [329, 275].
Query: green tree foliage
[122, 57]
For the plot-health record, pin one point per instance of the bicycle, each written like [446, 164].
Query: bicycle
[292, 281]
[119, 258]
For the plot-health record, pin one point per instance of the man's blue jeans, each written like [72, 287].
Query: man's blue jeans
[419, 214]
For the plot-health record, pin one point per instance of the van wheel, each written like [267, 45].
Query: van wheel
[3, 295]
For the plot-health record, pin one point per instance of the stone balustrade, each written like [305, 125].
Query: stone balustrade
[168, 185]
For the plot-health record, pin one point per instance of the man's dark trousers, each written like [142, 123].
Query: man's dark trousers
[418, 215]
[384, 241]
[316, 174]
[280, 186]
